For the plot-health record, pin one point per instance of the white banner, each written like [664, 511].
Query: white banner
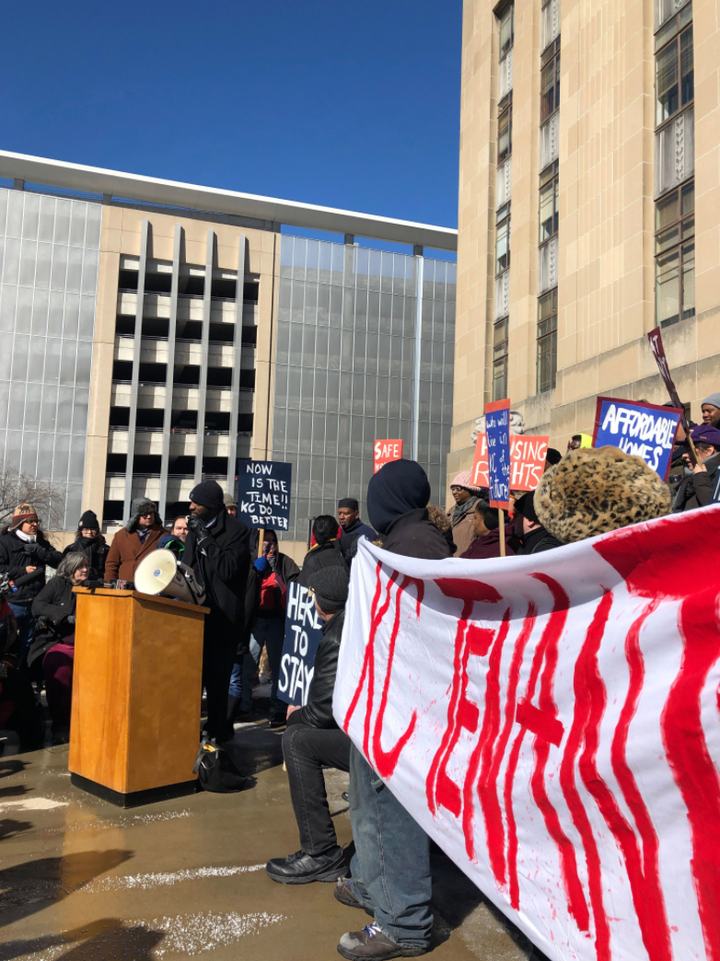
[553, 723]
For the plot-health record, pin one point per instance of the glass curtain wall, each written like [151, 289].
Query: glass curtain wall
[345, 362]
[49, 253]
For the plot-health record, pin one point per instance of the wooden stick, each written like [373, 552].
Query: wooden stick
[501, 525]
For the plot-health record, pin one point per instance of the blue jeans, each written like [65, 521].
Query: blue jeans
[391, 865]
[26, 629]
[269, 631]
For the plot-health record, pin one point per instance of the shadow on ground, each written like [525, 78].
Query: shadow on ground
[101, 940]
[29, 887]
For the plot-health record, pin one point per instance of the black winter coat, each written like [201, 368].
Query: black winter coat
[537, 541]
[54, 604]
[329, 555]
[17, 554]
[696, 489]
[318, 710]
[96, 552]
[414, 535]
[222, 563]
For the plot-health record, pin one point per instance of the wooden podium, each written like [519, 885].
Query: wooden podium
[135, 726]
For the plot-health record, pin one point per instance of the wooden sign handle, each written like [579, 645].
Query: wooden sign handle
[501, 525]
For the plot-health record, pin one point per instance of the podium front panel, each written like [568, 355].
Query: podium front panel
[137, 688]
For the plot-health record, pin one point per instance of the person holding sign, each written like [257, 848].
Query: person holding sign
[461, 516]
[217, 548]
[313, 741]
[696, 490]
[710, 408]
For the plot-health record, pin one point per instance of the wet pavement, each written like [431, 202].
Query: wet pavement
[83, 880]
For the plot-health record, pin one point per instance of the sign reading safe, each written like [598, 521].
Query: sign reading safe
[263, 493]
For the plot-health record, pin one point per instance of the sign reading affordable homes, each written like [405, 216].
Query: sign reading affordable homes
[551, 722]
[527, 461]
[263, 493]
[646, 430]
[303, 631]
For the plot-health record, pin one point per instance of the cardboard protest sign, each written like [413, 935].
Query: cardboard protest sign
[527, 461]
[551, 722]
[385, 451]
[263, 493]
[497, 428]
[303, 631]
[646, 430]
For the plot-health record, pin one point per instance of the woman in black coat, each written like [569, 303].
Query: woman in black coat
[54, 644]
[92, 544]
[24, 552]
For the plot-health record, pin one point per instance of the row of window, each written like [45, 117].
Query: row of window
[675, 225]
[674, 208]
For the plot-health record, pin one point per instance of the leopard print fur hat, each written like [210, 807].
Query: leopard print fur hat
[592, 492]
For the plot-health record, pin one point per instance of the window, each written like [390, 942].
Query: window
[549, 194]
[550, 24]
[505, 134]
[502, 244]
[500, 359]
[667, 10]
[550, 81]
[674, 76]
[547, 341]
[675, 256]
[506, 31]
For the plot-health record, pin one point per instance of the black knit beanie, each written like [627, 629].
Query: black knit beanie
[525, 505]
[89, 520]
[208, 494]
[331, 588]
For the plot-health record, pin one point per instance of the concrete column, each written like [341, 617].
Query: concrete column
[419, 278]
[237, 360]
[142, 269]
[202, 402]
[169, 376]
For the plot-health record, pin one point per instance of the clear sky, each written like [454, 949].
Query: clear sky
[351, 105]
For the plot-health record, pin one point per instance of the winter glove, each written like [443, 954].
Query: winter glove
[71, 619]
[262, 565]
[197, 526]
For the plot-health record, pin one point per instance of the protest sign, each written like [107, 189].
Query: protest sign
[303, 631]
[646, 430]
[658, 349]
[551, 722]
[263, 493]
[385, 451]
[497, 429]
[527, 461]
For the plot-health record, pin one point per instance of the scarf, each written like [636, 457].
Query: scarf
[462, 509]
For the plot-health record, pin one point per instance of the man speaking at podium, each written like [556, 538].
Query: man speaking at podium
[217, 548]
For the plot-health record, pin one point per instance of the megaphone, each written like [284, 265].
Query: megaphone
[162, 573]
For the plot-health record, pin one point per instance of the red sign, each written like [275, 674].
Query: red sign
[527, 462]
[385, 451]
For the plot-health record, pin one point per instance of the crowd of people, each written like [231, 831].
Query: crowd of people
[581, 494]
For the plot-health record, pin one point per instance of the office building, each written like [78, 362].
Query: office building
[155, 332]
[589, 208]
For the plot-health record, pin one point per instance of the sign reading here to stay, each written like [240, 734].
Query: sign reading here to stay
[263, 494]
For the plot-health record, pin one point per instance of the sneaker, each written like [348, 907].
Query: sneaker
[302, 868]
[345, 893]
[372, 943]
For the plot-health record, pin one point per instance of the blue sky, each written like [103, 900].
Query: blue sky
[335, 103]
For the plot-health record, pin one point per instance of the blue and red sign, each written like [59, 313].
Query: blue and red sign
[646, 430]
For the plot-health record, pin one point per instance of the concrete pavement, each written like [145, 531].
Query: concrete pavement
[82, 880]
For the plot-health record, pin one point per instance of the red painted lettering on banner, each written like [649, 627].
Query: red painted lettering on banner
[586, 718]
[386, 761]
[542, 725]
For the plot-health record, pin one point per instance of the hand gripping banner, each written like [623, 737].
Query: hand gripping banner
[552, 722]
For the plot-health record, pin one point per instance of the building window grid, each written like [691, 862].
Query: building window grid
[502, 218]
[548, 222]
[674, 209]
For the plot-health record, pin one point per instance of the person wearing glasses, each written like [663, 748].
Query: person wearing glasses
[90, 542]
[24, 552]
[135, 541]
